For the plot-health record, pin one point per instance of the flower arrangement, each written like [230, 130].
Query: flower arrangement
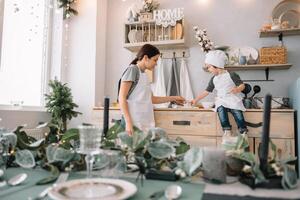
[149, 5]
[203, 40]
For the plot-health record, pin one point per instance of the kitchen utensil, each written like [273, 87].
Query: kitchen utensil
[61, 179]
[207, 104]
[243, 60]
[18, 179]
[247, 89]
[251, 61]
[256, 89]
[277, 102]
[178, 31]
[236, 52]
[173, 192]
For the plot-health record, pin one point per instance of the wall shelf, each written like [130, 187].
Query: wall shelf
[275, 33]
[259, 67]
[136, 34]
[165, 44]
[265, 67]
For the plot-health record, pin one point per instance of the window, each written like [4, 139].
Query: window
[24, 51]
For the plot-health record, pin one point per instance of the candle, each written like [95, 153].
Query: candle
[264, 146]
[105, 116]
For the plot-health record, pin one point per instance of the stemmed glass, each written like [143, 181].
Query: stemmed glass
[90, 141]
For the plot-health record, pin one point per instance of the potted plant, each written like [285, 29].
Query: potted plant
[59, 103]
[148, 7]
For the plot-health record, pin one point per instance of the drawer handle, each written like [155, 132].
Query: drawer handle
[182, 123]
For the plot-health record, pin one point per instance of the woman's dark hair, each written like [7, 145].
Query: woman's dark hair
[148, 50]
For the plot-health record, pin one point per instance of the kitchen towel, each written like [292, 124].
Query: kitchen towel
[173, 84]
[159, 85]
[185, 82]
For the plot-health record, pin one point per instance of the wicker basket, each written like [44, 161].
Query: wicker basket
[273, 55]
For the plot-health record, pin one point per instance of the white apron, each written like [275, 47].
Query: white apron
[140, 104]
[223, 84]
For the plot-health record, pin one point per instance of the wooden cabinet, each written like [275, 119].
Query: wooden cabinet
[97, 116]
[282, 124]
[186, 122]
[285, 147]
[201, 127]
[250, 139]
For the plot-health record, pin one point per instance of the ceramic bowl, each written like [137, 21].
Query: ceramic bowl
[207, 104]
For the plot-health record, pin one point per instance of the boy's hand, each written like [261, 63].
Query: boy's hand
[235, 90]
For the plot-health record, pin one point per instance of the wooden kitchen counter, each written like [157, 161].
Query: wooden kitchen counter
[201, 127]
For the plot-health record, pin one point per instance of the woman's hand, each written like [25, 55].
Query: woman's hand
[235, 90]
[178, 100]
[193, 102]
[129, 129]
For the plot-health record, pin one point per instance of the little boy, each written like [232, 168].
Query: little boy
[229, 87]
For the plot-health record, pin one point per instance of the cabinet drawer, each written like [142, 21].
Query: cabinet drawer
[285, 147]
[97, 117]
[281, 126]
[251, 143]
[186, 123]
[197, 141]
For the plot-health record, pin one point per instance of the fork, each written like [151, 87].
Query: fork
[62, 178]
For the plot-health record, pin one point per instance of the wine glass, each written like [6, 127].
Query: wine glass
[90, 140]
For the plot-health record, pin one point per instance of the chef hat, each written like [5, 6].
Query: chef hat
[216, 58]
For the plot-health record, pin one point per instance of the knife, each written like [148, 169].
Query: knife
[63, 177]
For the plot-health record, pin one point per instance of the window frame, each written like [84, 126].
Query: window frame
[53, 19]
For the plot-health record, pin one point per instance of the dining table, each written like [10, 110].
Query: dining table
[193, 188]
[28, 189]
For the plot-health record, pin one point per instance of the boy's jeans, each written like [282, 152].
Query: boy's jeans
[238, 117]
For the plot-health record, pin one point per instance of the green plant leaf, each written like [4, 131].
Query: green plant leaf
[246, 156]
[54, 175]
[70, 134]
[126, 139]
[274, 151]
[192, 160]
[63, 155]
[25, 158]
[259, 176]
[182, 148]
[160, 150]
[289, 177]
[113, 132]
[50, 150]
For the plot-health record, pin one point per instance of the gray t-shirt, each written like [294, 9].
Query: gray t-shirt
[132, 73]
[234, 76]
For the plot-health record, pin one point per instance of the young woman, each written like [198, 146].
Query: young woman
[135, 96]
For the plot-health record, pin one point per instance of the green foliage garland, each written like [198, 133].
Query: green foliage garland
[68, 10]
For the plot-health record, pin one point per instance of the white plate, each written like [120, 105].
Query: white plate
[285, 6]
[93, 189]
[292, 16]
[131, 36]
[235, 52]
[139, 36]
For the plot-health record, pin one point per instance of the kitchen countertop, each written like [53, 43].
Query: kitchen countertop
[196, 109]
